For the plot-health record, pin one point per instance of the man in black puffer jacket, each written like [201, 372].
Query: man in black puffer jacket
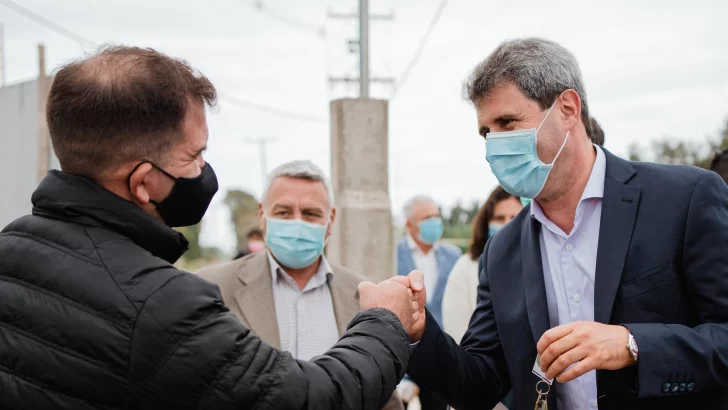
[92, 313]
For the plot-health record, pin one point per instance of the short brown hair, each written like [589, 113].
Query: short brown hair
[120, 105]
[482, 219]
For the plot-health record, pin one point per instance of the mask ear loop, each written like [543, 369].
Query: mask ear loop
[562, 147]
[539, 128]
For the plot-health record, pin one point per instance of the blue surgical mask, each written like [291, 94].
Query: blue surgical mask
[431, 230]
[514, 160]
[493, 228]
[525, 201]
[294, 243]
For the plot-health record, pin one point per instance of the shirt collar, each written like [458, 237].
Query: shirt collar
[323, 275]
[413, 245]
[594, 186]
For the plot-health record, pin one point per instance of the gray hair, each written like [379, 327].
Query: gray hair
[541, 69]
[409, 207]
[302, 170]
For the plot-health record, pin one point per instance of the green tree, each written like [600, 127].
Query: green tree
[197, 254]
[192, 233]
[456, 223]
[671, 151]
[474, 209]
[243, 214]
[456, 214]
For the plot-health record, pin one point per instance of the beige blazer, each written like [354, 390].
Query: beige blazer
[247, 290]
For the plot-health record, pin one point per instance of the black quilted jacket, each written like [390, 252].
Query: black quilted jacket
[94, 316]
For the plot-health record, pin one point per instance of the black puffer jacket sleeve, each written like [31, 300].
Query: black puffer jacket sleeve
[187, 346]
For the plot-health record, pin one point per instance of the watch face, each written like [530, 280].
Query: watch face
[632, 346]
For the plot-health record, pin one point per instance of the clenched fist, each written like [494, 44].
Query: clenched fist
[395, 295]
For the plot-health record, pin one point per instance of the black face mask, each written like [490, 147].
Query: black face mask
[187, 203]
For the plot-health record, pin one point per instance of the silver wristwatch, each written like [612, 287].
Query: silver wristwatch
[632, 347]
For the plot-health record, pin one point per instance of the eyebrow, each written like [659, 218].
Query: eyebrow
[197, 154]
[281, 207]
[314, 210]
[503, 119]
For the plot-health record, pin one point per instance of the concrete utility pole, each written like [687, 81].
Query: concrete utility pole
[262, 143]
[363, 47]
[363, 238]
[2, 55]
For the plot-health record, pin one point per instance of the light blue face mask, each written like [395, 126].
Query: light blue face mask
[525, 201]
[294, 243]
[513, 158]
[493, 228]
[431, 230]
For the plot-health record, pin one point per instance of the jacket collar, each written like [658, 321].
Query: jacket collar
[78, 199]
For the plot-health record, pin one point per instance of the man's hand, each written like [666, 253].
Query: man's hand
[408, 390]
[587, 345]
[416, 282]
[394, 296]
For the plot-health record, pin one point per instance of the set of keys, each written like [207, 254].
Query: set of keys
[542, 401]
[543, 386]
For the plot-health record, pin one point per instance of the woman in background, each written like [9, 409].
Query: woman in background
[461, 292]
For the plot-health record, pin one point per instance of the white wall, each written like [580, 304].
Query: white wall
[18, 149]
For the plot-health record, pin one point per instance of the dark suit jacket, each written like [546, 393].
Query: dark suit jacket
[662, 270]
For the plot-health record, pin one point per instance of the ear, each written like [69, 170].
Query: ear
[570, 108]
[261, 217]
[332, 220]
[138, 183]
[410, 226]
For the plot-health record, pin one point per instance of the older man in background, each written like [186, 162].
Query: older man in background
[421, 249]
[289, 295]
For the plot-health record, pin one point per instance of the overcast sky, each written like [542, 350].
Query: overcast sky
[652, 69]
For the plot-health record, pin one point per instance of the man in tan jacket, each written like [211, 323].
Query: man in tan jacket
[289, 295]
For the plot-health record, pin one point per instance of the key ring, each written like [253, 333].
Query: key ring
[548, 388]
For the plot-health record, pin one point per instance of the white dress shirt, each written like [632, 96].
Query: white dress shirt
[306, 320]
[569, 265]
[427, 264]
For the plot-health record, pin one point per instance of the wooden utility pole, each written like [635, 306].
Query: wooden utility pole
[263, 155]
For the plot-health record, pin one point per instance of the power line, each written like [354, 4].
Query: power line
[318, 31]
[420, 47]
[79, 38]
[47, 23]
[270, 110]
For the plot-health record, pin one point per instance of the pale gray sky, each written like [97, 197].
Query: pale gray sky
[652, 68]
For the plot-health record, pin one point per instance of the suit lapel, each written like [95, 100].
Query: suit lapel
[619, 213]
[345, 300]
[255, 299]
[533, 280]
